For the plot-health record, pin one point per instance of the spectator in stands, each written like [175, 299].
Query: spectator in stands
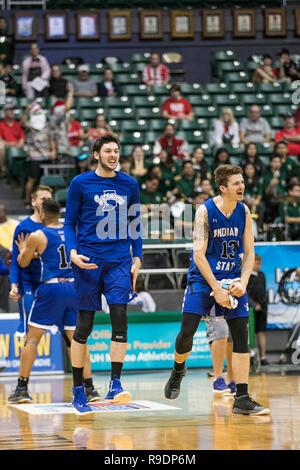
[11, 135]
[59, 86]
[40, 146]
[253, 194]
[178, 146]
[101, 127]
[188, 182]
[289, 134]
[183, 223]
[6, 76]
[207, 189]
[81, 166]
[226, 130]
[7, 44]
[221, 157]
[251, 156]
[289, 166]
[35, 67]
[290, 211]
[149, 193]
[84, 87]
[65, 131]
[255, 128]
[7, 229]
[108, 87]
[155, 73]
[288, 71]
[266, 73]
[125, 165]
[137, 158]
[170, 169]
[200, 164]
[177, 107]
[297, 116]
[273, 186]
[258, 300]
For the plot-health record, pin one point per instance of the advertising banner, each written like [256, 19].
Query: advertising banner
[49, 356]
[276, 260]
[150, 346]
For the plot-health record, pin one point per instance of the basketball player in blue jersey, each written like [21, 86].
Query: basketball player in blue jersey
[222, 230]
[54, 304]
[106, 251]
[24, 282]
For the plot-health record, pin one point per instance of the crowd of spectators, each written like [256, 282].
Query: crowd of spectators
[176, 170]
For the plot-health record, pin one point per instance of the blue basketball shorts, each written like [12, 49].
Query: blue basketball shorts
[112, 279]
[54, 307]
[197, 299]
[25, 302]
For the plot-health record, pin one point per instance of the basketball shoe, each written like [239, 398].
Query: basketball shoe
[116, 394]
[80, 402]
[244, 405]
[20, 395]
[172, 388]
[220, 387]
[92, 394]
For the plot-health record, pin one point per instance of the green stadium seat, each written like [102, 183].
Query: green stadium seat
[61, 196]
[235, 77]
[128, 79]
[217, 88]
[244, 87]
[269, 87]
[116, 102]
[16, 164]
[249, 99]
[54, 181]
[89, 114]
[225, 100]
[124, 67]
[283, 109]
[148, 113]
[239, 111]
[276, 122]
[89, 103]
[137, 90]
[119, 113]
[219, 56]
[205, 111]
[279, 99]
[265, 149]
[160, 90]
[133, 138]
[145, 101]
[138, 67]
[193, 137]
[200, 100]
[233, 150]
[151, 136]
[195, 125]
[68, 69]
[157, 124]
[139, 57]
[225, 67]
[191, 89]
[133, 125]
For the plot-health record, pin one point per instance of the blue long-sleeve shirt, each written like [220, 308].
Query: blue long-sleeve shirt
[29, 276]
[103, 216]
[3, 268]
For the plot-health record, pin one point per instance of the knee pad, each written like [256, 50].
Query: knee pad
[84, 326]
[66, 340]
[118, 318]
[239, 332]
[189, 325]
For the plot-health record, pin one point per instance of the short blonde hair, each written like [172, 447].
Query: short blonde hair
[229, 111]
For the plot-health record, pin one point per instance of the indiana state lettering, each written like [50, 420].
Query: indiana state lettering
[226, 232]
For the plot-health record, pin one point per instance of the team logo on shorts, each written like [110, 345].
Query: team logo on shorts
[109, 200]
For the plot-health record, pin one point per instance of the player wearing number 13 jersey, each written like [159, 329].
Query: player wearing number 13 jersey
[222, 231]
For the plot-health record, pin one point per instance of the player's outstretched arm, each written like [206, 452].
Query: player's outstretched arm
[239, 288]
[201, 235]
[29, 245]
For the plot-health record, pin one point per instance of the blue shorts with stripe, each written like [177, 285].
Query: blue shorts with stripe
[112, 279]
[197, 299]
[54, 307]
[27, 296]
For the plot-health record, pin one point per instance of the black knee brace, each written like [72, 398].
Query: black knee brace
[239, 332]
[189, 325]
[118, 318]
[84, 326]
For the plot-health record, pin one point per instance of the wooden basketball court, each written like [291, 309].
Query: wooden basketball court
[196, 421]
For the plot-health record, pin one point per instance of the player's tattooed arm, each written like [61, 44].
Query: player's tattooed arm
[201, 229]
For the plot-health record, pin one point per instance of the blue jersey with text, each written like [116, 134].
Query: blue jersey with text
[103, 216]
[55, 261]
[224, 243]
[30, 276]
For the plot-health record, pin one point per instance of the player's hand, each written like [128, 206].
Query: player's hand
[237, 289]
[222, 297]
[81, 261]
[14, 293]
[21, 242]
[135, 267]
